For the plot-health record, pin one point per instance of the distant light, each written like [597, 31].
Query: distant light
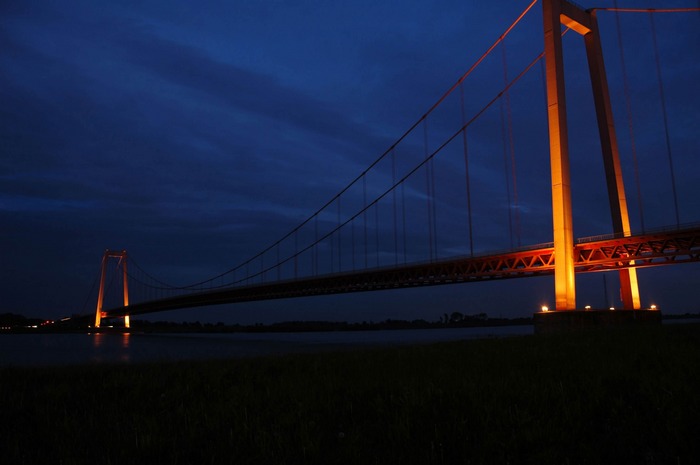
[545, 308]
[612, 308]
[653, 307]
[587, 307]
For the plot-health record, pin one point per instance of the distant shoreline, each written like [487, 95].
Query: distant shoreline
[281, 327]
[14, 324]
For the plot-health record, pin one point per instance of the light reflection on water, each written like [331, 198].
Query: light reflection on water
[110, 347]
[62, 349]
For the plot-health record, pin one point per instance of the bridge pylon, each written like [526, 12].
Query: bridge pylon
[121, 256]
[556, 13]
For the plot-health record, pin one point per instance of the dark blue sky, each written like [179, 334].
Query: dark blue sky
[194, 134]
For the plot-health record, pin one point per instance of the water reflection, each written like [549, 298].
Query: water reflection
[118, 347]
[110, 347]
[125, 356]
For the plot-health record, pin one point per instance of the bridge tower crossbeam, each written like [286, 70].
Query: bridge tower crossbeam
[556, 13]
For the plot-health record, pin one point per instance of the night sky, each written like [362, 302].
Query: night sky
[194, 134]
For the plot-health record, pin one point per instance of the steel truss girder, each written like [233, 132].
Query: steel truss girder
[600, 255]
[639, 251]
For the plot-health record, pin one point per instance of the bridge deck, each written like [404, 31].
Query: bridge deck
[601, 253]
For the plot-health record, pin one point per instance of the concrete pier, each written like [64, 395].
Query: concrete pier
[574, 320]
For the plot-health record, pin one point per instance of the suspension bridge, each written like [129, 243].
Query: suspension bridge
[412, 217]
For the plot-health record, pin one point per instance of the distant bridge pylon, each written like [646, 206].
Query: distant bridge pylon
[121, 256]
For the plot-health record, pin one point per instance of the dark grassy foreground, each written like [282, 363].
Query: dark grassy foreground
[606, 397]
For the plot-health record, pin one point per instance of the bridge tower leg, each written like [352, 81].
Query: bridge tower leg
[556, 13]
[611, 157]
[121, 255]
[564, 282]
[125, 285]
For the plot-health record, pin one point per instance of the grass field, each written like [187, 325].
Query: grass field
[606, 397]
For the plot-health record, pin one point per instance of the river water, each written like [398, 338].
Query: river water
[68, 349]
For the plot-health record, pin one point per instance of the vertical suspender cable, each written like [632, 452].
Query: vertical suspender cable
[352, 244]
[514, 178]
[92, 289]
[628, 107]
[340, 248]
[428, 195]
[393, 195]
[505, 170]
[376, 230]
[663, 110]
[433, 200]
[278, 266]
[114, 277]
[331, 250]
[364, 212]
[403, 219]
[296, 254]
[466, 171]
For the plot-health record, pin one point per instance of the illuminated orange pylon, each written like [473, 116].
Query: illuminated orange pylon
[121, 255]
[556, 13]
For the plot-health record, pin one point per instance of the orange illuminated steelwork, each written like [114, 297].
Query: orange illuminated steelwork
[556, 13]
[99, 314]
[597, 254]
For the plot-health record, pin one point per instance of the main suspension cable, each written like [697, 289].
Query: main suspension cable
[379, 159]
[630, 124]
[373, 204]
[400, 182]
[645, 10]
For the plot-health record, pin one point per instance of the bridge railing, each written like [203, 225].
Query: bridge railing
[664, 229]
